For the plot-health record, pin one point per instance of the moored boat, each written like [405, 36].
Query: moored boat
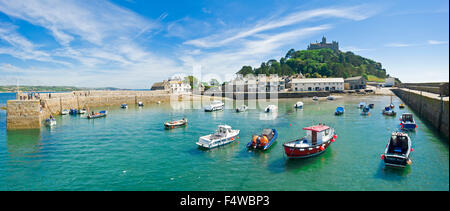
[140, 104]
[365, 110]
[401, 106]
[124, 105]
[73, 111]
[97, 115]
[263, 141]
[65, 112]
[215, 106]
[224, 135]
[339, 111]
[176, 123]
[299, 104]
[50, 121]
[82, 111]
[271, 108]
[241, 108]
[315, 98]
[362, 104]
[389, 111]
[316, 141]
[371, 105]
[330, 97]
[407, 122]
[398, 150]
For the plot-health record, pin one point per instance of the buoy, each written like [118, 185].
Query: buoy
[335, 136]
[321, 148]
[171, 127]
[411, 149]
[290, 124]
[332, 140]
[237, 137]
[409, 162]
[382, 157]
[232, 138]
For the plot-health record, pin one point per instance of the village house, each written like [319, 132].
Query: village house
[317, 84]
[357, 82]
[172, 85]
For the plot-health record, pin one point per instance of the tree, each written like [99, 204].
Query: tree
[246, 70]
[191, 80]
[214, 82]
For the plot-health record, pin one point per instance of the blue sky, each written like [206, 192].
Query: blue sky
[133, 43]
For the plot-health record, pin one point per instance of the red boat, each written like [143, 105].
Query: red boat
[316, 141]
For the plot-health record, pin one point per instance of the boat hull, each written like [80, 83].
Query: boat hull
[268, 145]
[305, 152]
[219, 143]
[408, 126]
[395, 161]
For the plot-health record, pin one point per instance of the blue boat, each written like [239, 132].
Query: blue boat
[339, 111]
[388, 111]
[362, 104]
[97, 115]
[365, 110]
[263, 141]
[73, 111]
[407, 122]
[124, 106]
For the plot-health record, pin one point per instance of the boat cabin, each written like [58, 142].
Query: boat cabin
[407, 117]
[223, 130]
[398, 144]
[317, 134]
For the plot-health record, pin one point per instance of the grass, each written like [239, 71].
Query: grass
[374, 78]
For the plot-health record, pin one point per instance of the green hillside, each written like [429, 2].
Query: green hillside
[319, 63]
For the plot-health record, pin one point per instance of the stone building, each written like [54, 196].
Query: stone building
[357, 82]
[333, 45]
[172, 85]
[317, 84]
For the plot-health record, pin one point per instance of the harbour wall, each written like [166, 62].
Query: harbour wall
[23, 114]
[433, 109]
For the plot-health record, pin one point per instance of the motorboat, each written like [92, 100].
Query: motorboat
[316, 141]
[124, 106]
[362, 104]
[97, 115]
[315, 98]
[242, 108]
[398, 150]
[65, 112]
[263, 141]
[224, 135]
[299, 104]
[215, 106]
[176, 123]
[389, 111]
[50, 121]
[271, 108]
[365, 110]
[371, 106]
[330, 97]
[140, 104]
[339, 111]
[82, 111]
[407, 122]
[401, 106]
[73, 111]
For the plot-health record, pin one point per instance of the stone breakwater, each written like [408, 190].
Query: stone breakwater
[429, 106]
[27, 114]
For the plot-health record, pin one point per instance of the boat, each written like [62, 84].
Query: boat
[73, 111]
[97, 115]
[271, 108]
[176, 123]
[263, 141]
[299, 104]
[315, 98]
[330, 97]
[371, 105]
[389, 111]
[242, 108]
[316, 141]
[362, 104]
[391, 104]
[339, 111]
[398, 150]
[82, 111]
[140, 104]
[65, 112]
[407, 122]
[401, 106]
[124, 106]
[365, 110]
[215, 106]
[50, 121]
[224, 135]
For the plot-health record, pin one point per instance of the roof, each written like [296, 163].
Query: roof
[158, 84]
[317, 80]
[354, 78]
[317, 128]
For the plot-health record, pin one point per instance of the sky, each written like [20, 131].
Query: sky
[134, 43]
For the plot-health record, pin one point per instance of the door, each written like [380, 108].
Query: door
[314, 138]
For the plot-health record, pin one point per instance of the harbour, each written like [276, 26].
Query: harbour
[131, 150]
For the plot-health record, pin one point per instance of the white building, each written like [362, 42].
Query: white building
[317, 84]
[389, 82]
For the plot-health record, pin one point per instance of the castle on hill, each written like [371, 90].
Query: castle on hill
[333, 45]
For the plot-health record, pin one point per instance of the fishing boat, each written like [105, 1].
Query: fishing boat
[299, 104]
[215, 106]
[330, 97]
[176, 123]
[407, 122]
[316, 141]
[50, 121]
[271, 108]
[263, 141]
[242, 108]
[389, 111]
[339, 111]
[124, 106]
[398, 149]
[371, 105]
[97, 115]
[362, 104]
[73, 111]
[65, 112]
[315, 98]
[140, 104]
[365, 110]
[224, 135]
[401, 106]
[82, 111]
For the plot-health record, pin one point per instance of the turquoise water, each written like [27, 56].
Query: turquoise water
[130, 150]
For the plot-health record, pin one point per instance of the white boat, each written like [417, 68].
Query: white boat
[65, 112]
[299, 104]
[124, 106]
[140, 104]
[330, 97]
[242, 108]
[315, 98]
[215, 106]
[398, 149]
[271, 108]
[224, 135]
[82, 111]
[50, 122]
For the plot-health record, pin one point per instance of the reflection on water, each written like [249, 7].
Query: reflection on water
[23, 142]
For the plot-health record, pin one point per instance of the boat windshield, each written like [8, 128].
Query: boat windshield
[398, 144]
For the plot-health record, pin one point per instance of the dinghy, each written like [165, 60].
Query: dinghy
[315, 98]
[271, 108]
[407, 122]
[330, 97]
[224, 135]
[124, 106]
[97, 115]
[50, 122]
[263, 141]
[242, 108]
[401, 106]
[299, 105]
[176, 123]
[65, 112]
[365, 110]
[140, 104]
[339, 111]
[389, 111]
[82, 111]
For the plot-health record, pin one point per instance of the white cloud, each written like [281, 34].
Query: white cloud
[435, 42]
[398, 45]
